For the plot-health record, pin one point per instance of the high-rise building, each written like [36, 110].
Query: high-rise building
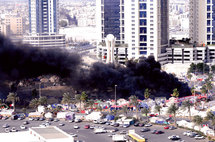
[43, 16]
[202, 21]
[140, 26]
[43, 22]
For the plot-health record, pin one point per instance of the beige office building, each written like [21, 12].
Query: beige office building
[16, 25]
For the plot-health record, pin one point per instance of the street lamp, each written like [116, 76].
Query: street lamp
[115, 97]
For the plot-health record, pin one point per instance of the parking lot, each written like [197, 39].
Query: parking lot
[87, 135]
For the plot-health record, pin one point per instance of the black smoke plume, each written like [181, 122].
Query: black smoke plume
[22, 62]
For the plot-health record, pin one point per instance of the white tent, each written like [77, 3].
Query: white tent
[48, 115]
[35, 114]
[94, 116]
[61, 115]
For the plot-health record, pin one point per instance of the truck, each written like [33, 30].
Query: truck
[119, 138]
[99, 130]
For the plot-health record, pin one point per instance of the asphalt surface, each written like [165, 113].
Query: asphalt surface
[87, 135]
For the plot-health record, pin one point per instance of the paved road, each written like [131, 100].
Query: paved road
[88, 135]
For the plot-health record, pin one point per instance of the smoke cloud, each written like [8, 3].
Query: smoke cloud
[22, 62]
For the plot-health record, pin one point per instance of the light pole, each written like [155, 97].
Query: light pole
[115, 97]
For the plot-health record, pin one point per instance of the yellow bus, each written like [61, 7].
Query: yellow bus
[134, 137]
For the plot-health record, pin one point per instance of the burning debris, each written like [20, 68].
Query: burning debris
[21, 62]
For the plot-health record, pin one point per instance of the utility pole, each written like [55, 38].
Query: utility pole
[115, 97]
[40, 90]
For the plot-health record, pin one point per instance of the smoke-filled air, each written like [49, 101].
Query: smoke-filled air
[23, 62]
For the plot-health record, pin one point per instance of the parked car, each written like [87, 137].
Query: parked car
[25, 123]
[148, 125]
[30, 118]
[108, 123]
[41, 119]
[123, 132]
[153, 131]
[50, 119]
[73, 135]
[95, 122]
[136, 124]
[5, 126]
[87, 126]
[152, 115]
[145, 130]
[174, 137]
[7, 130]
[77, 120]
[199, 137]
[91, 127]
[111, 135]
[166, 127]
[141, 124]
[56, 120]
[23, 127]
[14, 129]
[172, 127]
[5, 118]
[70, 121]
[126, 125]
[116, 125]
[21, 118]
[36, 118]
[61, 124]
[159, 132]
[76, 127]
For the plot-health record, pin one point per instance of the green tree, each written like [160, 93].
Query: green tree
[67, 99]
[134, 101]
[42, 101]
[193, 90]
[175, 93]
[78, 99]
[192, 68]
[90, 103]
[145, 111]
[34, 103]
[187, 105]
[147, 93]
[12, 97]
[211, 117]
[158, 108]
[189, 76]
[209, 86]
[197, 119]
[63, 23]
[204, 89]
[83, 97]
[173, 110]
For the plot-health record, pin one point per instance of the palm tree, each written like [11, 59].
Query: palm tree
[197, 119]
[173, 110]
[209, 86]
[146, 112]
[34, 103]
[134, 101]
[211, 117]
[78, 99]
[187, 105]
[67, 99]
[42, 100]
[147, 93]
[193, 90]
[189, 76]
[125, 110]
[83, 97]
[90, 103]
[158, 109]
[203, 89]
[12, 97]
[175, 93]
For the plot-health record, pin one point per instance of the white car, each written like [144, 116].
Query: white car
[174, 137]
[73, 135]
[199, 137]
[31, 119]
[76, 127]
[61, 124]
[13, 129]
[7, 130]
[187, 133]
[148, 125]
[22, 127]
[5, 126]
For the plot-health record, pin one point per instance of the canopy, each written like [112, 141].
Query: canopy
[110, 117]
